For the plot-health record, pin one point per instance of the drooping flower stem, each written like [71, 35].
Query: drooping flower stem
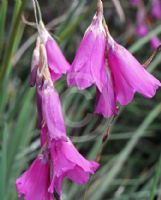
[105, 138]
[150, 59]
[37, 12]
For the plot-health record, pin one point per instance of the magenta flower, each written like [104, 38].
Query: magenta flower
[34, 183]
[128, 74]
[106, 100]
[156, 9]
[155, 42]
[52, 112]
[142, 30]
[57, 63]
[116, 81]
[141, 27]
[89, 58]
[68, 162]
[135, 2]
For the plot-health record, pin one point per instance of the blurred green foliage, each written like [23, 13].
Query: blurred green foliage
[131, 160]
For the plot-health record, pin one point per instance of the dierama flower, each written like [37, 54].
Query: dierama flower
[106, 100]
[156, 9]
[52, 112]
[119, 73]
[89, 59]
[68, 162]
[57, 63]
[135, 2]
[34, 183]
[141, 24]
[142, 30]
[48, 102]
[155, 42]
[128, 74]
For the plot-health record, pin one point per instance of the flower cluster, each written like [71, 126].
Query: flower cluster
[144, 18]
[114, 71]
[99, 61]
[58, 158]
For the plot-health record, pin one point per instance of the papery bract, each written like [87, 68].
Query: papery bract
[35, 63]
[68, 162]
[57, 63]
[34, 183]
[52, 112]
[39, 84]
[89, 58]
[128, 74]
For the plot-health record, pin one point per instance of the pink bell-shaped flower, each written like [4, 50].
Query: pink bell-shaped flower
[34, 183]
[155, 42]
[89, 59]
[68, 162]
[128, 74]
[106, 100]
[57, 63]
[52, 112]
[156, 9]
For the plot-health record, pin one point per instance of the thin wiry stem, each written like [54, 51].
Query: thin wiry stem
[39, 10]
[150, 59]
[25, 21]
[35, 12]
[105, 138]
[119, 10]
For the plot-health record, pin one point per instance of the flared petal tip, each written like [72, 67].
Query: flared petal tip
[94, 166]
[19, 188]
[153, 93]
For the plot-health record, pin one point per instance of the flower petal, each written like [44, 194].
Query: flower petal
[129, 75]
[106, 100]
[52, 112]
[33, 184]
[89, 58]
[68, 162]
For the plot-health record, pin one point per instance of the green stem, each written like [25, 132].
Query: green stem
[13, 33]
[156, 180]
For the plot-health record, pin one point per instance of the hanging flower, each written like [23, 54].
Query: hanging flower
[129, 75]
[135, 2]
[89, 59]
[141, 23]
[118, 78]
[57, 63]
[52, 112]
[34, 183]
[156, 9]
[155, 42]
[68, 162]
[106, 100]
